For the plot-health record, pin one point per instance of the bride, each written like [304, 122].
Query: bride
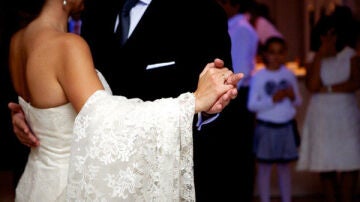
[95, 146]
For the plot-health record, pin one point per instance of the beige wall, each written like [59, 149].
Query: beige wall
[292, 20]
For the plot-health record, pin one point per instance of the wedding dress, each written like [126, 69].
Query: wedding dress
[117, 149]
[45, 174]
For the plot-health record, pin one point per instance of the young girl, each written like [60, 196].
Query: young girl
[274, 94]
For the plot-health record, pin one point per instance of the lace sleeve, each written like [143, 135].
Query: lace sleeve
[130, 150]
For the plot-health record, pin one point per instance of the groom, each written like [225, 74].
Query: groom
[168, 45]
[163, 56]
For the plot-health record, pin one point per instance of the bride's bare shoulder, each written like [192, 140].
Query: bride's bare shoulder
[64, 41]
[62, 46]
[70, 39]
[73, 49]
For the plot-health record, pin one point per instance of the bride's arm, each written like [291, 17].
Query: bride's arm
[77, 76]
[76, 73]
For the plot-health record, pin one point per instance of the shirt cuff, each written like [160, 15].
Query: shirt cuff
[200, 121]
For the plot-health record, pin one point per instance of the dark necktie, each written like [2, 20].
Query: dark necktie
[122, 30]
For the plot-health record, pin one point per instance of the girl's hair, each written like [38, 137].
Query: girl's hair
[267, 44]
[271, 40]
[341, 22]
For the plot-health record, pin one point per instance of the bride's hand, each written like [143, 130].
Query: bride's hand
[225, 99]
[213, 83]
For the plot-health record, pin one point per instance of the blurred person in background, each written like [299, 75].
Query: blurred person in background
[244, 44]
[330, 140]
[274, 96]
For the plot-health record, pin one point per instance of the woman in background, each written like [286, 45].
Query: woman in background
[331, 133]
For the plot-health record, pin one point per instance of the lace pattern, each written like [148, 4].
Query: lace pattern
[130, 150]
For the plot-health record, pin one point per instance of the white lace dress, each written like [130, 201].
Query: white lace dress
[331, 133]
[121, 150]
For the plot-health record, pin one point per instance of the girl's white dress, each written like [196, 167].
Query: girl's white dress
[331, 134]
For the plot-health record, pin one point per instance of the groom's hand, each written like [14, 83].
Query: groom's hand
[20, 126]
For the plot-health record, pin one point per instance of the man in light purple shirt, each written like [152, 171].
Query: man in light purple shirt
[244, 45]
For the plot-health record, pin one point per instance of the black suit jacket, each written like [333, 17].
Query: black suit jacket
[190, 33]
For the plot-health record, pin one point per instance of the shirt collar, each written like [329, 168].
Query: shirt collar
[147, 2]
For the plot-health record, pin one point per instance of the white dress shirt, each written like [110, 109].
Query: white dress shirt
[135, 15]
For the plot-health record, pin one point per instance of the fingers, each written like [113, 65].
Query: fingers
[223, 101]
[233, 79]
[24, 134]
[210, 87]
[218, 63]
[21, 128]
[221, 73]
[14, 107]
[216, 87]
[27, 139]
[216, 108]
[233, 93]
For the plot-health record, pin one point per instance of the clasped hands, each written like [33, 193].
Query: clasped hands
[280, 95]
[217, 86]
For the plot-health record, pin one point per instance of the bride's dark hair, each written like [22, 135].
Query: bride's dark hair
[14, 15]
[20, 13]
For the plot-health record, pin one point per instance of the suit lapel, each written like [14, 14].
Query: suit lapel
[148, 19]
